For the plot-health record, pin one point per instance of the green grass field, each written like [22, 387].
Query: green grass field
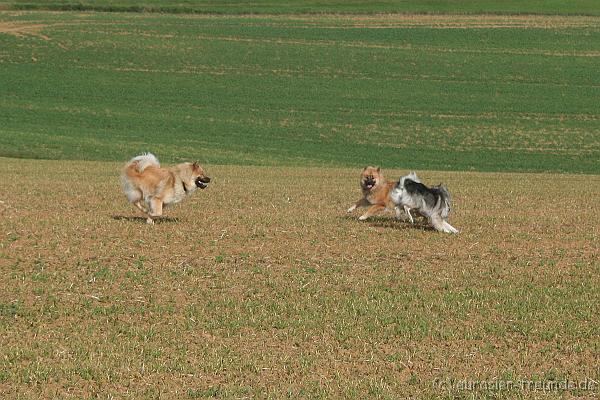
[571, 7]
[488, 93]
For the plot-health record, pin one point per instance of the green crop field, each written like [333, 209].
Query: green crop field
[571, 7]
[488, 93]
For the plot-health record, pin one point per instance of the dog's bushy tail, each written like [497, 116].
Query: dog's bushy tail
[411, 176]
[140, 163]
[132, 171]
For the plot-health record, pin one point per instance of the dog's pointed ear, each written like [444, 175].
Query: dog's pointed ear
[365, 168]
[195, 165]
[378, 169]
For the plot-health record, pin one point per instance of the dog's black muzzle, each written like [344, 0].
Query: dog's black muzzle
[369, 183]
[202, 182]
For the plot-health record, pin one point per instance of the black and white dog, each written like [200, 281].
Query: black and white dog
[433, 203]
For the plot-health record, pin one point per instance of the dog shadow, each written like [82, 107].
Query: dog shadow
[139, 219]
[393, 223]
[397, 224]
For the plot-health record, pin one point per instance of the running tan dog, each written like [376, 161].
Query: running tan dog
[376, 193]
[150, 187]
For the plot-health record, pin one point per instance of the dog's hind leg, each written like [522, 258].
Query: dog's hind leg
[439, 224]
[156, 206]
[450, 228]
[141, 206]
[374, 209]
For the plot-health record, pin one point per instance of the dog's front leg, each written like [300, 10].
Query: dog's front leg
[374, 209]
[410, 217]
[359, 203]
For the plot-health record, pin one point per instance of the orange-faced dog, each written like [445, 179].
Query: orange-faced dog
[150, 187]
[376, 193]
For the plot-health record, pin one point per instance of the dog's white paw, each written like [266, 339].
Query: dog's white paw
[362, 217]
[351, 209]
[449, 228]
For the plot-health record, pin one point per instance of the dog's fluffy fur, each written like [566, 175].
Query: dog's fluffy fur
[375, 193]
[150, 187]
[434, 203]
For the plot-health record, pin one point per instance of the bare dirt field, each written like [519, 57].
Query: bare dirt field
[261, 286]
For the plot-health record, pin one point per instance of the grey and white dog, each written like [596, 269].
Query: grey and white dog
[431, 202]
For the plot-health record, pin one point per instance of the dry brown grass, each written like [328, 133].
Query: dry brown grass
[373, 21]
[262, 286]
[22, 29]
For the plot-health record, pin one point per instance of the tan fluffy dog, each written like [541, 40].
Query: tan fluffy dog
[150, 187]
[376, 193]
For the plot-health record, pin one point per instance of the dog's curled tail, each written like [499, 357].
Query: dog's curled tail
[140, 163]
[134, 168]
[413, 177]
